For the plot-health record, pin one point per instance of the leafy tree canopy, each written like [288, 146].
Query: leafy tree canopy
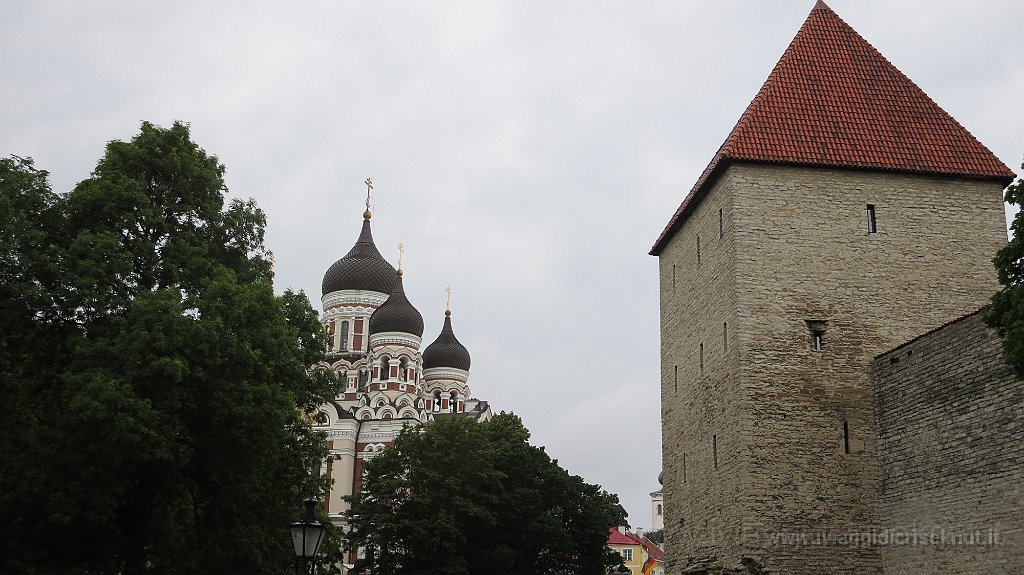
[1006, 314]
[461, 497]
[151, 380]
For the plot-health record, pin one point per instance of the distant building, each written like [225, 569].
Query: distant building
[639, 554]
[845, 214]
[375, 334]
[657, 508]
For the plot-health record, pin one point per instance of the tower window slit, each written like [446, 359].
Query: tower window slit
[714, 450]
[725, 336]
[721, 224]
[684, 467]
[675, 377]
[702, 357]
[872, 223]
[817, 340]
[846, 437]
[698, 250]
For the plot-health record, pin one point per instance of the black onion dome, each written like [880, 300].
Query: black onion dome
[362, 268]
[397, 314]
[446, 351]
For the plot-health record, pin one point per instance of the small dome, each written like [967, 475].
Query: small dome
[660, 477]
[362, 268]
[397, 314]
[446, 351]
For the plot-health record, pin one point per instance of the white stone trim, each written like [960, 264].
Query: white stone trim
[371, 300]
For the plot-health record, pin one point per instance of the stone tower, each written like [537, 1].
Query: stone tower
[845, 214]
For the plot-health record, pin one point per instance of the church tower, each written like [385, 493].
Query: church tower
[844, 214]
[374, 340]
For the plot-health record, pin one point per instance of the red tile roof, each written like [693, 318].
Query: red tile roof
[834, 100]
[616, 537]
[653, 550]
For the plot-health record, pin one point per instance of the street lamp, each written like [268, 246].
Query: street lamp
[307, 535]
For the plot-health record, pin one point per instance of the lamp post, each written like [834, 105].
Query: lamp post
[306, 537]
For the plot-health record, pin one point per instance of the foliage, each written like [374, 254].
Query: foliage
[655, 536]
[1006, 314]
[151, 379]
[462, 497]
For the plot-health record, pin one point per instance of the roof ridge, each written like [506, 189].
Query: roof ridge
[833, 100]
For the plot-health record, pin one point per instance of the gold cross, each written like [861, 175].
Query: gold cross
[369, 186]
[401, 252]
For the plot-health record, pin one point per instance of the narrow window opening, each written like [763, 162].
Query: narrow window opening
[385, 368]
[817, 329]
[698, 250]
[872, 224]
[846, 437]
[702, 357]
[725, 335]
[673, 277]
[721, 224]
[675, 377]
[817, 340]
[714, 449]
[684, 467]
[344, 336]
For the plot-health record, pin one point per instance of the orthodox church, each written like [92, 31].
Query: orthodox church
[374, 338]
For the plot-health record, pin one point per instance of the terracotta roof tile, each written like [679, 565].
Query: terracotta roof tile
[833, 100]
[616, 537]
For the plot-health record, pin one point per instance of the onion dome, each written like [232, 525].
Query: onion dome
[446, 351]
[396, 313]
[362, 268]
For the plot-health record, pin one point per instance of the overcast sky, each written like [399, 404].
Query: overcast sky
[527, 153]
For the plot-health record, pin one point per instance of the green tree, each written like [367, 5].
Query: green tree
[461, 497]
[155, 381]
[1006, 314]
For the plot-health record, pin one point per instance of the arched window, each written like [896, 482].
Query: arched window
[402, 368]
[385, 367]
[437, 401]
[344, 336]
[659, 509]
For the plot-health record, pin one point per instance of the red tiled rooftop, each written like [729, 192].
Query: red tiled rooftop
[833, 100]
[616, 537]
[652, 549]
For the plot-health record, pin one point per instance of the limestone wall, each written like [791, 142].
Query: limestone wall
[796, 255]
[702, 407]
[951, 451]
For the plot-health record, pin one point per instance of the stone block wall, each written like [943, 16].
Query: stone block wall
[703, 410]
[950, 418]
[793, 427]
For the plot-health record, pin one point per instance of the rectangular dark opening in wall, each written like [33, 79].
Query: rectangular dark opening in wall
[872, 224]
[684, 467]
[702, 357]
[725, 335]
[817, 340]
[673, 277]
[721, 224]
[714, 450]
[675, 377]
[698, 250]
[817, 329]
[846, 437]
